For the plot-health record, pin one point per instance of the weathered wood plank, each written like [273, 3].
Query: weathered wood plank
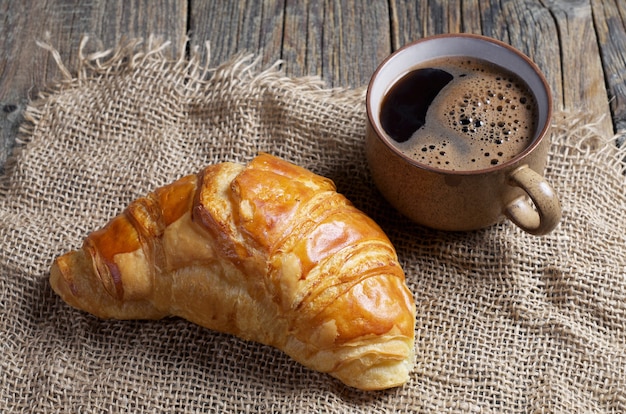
[610, 24]
[109, 22]
[302, 39]
[342, 42]
[21, 69]
[25, 68]
[355, 39]
[238, 27]
[582, 72]
[62, 24]
[345, 41]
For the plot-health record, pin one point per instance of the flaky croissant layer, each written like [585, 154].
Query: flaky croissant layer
[269, 252]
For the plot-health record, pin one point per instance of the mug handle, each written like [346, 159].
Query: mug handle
[544, 213]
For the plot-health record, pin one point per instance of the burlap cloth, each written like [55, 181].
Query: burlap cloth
[506, 322]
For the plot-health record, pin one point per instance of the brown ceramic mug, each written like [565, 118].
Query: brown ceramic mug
[466, 191]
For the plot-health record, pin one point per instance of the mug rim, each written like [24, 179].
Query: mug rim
[383, 136]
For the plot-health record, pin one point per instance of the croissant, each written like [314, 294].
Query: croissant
[269, 252]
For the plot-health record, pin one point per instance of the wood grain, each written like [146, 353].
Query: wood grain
[610, 24]
[238, 27]
[344, 41]
[355, 40]
[26, 68]
[583, 85]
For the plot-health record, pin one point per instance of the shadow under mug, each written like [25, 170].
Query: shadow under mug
[473, 199]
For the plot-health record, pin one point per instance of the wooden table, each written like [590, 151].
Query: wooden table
[579, 44]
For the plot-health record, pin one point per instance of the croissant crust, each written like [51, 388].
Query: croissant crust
[269, 252]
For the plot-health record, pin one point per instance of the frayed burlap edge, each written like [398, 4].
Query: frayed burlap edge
[193, 71]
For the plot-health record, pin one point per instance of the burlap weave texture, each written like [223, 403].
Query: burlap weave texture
[506, 322]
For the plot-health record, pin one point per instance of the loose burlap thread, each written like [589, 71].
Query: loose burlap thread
[506, 322]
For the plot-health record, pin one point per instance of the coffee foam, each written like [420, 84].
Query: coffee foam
[484, 117]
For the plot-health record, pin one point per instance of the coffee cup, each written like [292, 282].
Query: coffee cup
[458, 135]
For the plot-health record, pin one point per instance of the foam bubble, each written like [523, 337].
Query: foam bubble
[483, 117]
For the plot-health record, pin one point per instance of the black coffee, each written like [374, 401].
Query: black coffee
[460, 114]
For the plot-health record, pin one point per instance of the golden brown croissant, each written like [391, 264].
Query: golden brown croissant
[268, 252]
